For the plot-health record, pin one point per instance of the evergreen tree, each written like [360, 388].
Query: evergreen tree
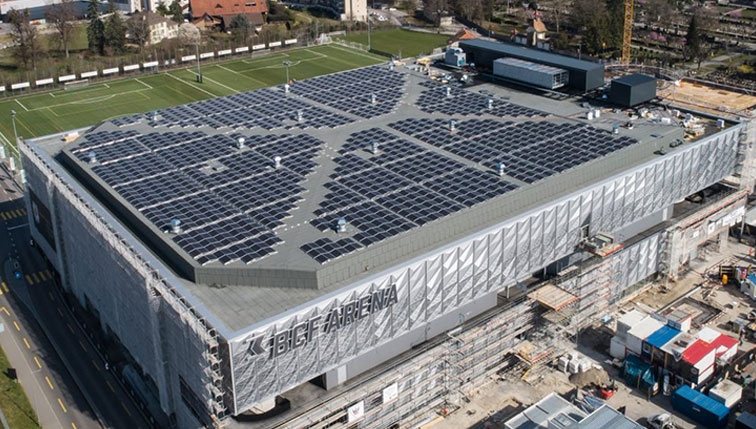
[115, 30]
[162, 9]
[240, 28]
[177, 14]
[694, 49]
[96, 29]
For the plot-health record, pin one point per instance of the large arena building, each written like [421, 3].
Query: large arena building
[325, 245]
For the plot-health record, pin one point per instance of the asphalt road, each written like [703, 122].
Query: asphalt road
[65, 377]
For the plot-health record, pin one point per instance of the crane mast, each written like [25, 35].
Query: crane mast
[627, 33]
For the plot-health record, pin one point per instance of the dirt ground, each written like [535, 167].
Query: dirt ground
[499, 400]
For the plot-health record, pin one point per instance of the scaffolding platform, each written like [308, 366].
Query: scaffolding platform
[553, 297]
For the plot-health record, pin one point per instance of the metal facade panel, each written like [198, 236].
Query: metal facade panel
[465, 272]
[535, 248]
[480, 266]
[401, 309]
[549, 234]
[509, 253]
[522, 263]
[495, 263]
[435, 294]
[450, 280]
[418, 293]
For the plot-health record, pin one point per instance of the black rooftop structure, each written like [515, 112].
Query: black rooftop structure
[633, 89]
[584, 75]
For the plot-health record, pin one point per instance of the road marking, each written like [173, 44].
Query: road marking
[5, 286]
[60, 312]
[23, 225]
[63, 407]
[52, 298]
[126, 409]
[73, 425]
[35, 277]
[48, 273]
[81, 343]
[26, 342]
[5, 310]
[43, 275]
[18, 328]
[110, 386]
[97, 367]
[18, 213]
[1, 291]
[29, 279]
[49, 383]
[36, 360]
[70, 328]
[3, 216]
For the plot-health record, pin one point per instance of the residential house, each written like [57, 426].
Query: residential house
[206, 12]
[160, 27]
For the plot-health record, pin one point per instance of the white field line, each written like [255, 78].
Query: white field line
[193, 86]
[22, 106]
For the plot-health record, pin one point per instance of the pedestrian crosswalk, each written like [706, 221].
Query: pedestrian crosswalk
[12, 214]
[38, 277]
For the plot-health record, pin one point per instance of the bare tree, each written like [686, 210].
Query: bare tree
[25, 37]
[62, 16]
[470, 9]
[139, 30]
[189, 34]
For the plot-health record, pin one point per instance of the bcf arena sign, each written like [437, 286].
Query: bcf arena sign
[307, 331]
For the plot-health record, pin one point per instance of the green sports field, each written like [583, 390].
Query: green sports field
[56, 111]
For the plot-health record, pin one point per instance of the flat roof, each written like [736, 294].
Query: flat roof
[255, 240]
[535, 55]
[662, 336]
[634, 79]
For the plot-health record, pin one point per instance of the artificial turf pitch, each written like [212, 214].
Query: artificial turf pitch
[56, 111]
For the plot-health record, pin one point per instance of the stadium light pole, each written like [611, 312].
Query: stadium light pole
[199, 70]
[368, 22]
[287, 64]
[13, 119]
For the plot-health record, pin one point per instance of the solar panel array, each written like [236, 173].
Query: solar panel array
[530, 150]
[267, 108]
[353, 91]
[399, 187]
[228, 200]
[438, 98]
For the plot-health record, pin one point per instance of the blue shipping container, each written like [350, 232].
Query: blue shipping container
[700, 407]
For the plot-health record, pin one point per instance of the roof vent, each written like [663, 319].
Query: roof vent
[277, 162]
[489, 104]
[154, 116]
[286, 88]
[615, 128]
[391, 66]
[452, 125]
[374, 148]
[240, 140]
[589, 115]
[341, 225]
[448, 91]
[720, 123]
[176, 226]
[500, 168]
[300, 116]
[597, 113]
[373, 99]
[92, 156]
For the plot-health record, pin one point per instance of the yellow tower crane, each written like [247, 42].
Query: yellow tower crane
[627, 33]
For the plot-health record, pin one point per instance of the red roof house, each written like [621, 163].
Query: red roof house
[226, 10]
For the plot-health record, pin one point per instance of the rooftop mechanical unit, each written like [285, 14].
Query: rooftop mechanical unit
[633, 89]
[539, 75]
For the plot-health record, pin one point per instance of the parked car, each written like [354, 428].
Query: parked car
[661, 421]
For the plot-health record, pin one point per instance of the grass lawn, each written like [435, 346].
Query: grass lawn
[13, 401]
[51, 112]
[409, 43]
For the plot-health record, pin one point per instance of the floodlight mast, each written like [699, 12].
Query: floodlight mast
[287, 64]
